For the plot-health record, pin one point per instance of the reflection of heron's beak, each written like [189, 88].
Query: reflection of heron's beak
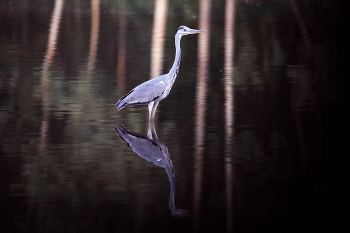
[194, 31]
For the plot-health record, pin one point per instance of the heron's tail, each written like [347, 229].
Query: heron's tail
[120, 131]
[122, 103]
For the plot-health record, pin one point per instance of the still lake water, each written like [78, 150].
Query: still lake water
[244, 142]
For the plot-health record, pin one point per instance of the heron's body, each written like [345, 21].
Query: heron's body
[153, 91]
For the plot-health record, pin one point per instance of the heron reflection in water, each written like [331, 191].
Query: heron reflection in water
[153, 91]
[150, 148]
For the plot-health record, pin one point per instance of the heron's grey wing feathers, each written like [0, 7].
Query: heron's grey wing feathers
[152, 150]
[143, 93]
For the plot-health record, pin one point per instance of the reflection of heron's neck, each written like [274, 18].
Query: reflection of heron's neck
[171, 174]
[175, 68]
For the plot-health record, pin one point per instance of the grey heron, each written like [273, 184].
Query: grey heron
[153, 150]
[153, 91]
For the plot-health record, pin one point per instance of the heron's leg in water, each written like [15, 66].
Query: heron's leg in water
[154, 109]
[150, 106]
[151, 133]
[154, 130]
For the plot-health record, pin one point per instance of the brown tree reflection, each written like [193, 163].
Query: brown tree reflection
[95, 24]
[158, 37]
[50, 53]
[201, 89]
[121, 47]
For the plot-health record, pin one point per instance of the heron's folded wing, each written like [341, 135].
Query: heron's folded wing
[146, 92]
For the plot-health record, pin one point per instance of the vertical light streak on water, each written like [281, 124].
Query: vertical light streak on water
[84, 98]
[301, 22]
[295, 86]
[201, 89]
[229, 105]
[121, 48]
[50, 53]
[158, 37]
[95, 23]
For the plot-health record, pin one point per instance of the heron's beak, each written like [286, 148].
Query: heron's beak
[194, 31]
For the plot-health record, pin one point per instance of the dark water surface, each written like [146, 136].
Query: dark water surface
[248, 136]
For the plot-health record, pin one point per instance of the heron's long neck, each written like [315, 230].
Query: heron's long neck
[171, 174]
[175, 68]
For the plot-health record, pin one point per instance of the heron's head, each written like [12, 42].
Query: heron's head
[184, 30]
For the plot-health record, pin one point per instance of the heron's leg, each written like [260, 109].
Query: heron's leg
[150, 106]
[153, 129]
[154, 109]
[149, 132]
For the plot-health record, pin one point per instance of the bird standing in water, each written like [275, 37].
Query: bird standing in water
[153, 91]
